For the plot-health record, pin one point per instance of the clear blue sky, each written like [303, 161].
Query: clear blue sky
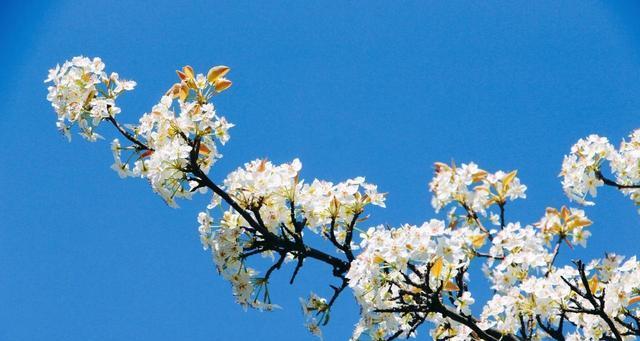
[381, 90]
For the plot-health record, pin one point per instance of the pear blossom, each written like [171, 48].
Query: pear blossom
[401, 276]
[395, 262]
[270, 191]
[83, 94]
[473, 188]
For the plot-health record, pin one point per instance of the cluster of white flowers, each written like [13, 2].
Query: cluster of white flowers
[473, 187]
[83, 93]
[228, 241]
[565, 223]
[548, 300]
[581, 169]
[271, 191]
[397, 263]
[402, 276]
[169, 132]
[535, 296]
[626, 165]
[399, 268]
[520, 250]
[274, 196]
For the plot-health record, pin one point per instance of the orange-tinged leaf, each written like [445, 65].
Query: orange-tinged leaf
[174, 90]
[363, 219]
[204, 149]
[634, 300]
[414, 289]
[181, 75]
[222, 84]
[438, 166]
[188, 71]
[450, 286]
[436, 268]
[478, 240]
[147, 153]
[577, 222]
[593, 284]
[506, 181]
[184, 91]
[191, 83]
[551, 210]
[479, 175]
[263, 165]
[217, 72]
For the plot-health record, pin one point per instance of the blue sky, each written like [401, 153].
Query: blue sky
[376, 89]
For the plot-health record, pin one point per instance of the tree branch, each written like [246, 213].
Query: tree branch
[612, 183]
[274, 242]
[128, 135]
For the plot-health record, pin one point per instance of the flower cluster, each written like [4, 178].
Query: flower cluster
[182, 118]
[228, 242]
[402, 276]
[278, 196]
[533, 297]
[473, 188]
[83, 94]
[569, 294]
[282, 205]
[565, 223]
[626, 166]
[163, 141]
[398, 266]
[519, 250]
[582, 168]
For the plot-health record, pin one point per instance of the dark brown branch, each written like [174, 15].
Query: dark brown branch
[471, 214]
[332, 234]
[275, 266]
[501, 206]
[632, 330]
[251, 253]
[556, 334]
[337, 291]
[597, 302]
[276, 243]
[347, 240]
[523, 328]
[297, 269]
[429, 301]
[612, 183]
[556, 250]
[269, 241]
[127, 135]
